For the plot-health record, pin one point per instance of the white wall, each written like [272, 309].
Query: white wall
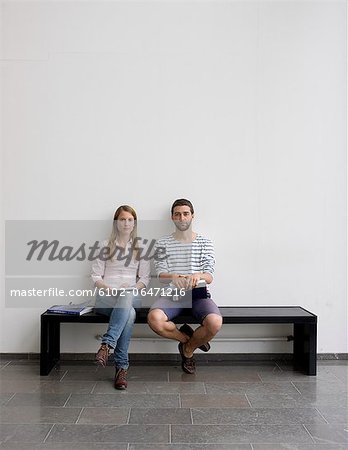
[239, 106]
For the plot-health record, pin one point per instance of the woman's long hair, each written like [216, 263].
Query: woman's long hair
[114, 233]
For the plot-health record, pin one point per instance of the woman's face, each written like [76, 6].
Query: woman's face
[125, 223]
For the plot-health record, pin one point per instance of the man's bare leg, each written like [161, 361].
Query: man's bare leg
[209, 328]
[159, 323]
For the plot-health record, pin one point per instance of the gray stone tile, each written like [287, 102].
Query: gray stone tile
[156, 387]
[320, 387]
[38, 399]
[329, 434]
[4, 398]
[66, 387]
[7, 432]
[265, 389]
[334, 415]
[293, 400]
[211, 401]
[150, 373]
[125, 399]
[134, 374]
[12, 386]
[104, 416]
[107, 387]
[160, 416]
[83, 377]
[175, 387]
[25, 433]
[190, 447]
[62, 446]
[341, 372]
[292, 375]
[256, 416]
[74, 367]
[215, 373]
[299, 447]
[4, 364]
[109, 433]
[38, 414]
[224, 434]
[23, 373]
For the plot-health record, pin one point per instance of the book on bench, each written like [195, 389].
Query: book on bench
[77, 309]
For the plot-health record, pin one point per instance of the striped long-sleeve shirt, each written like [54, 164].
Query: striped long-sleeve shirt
[173, 256]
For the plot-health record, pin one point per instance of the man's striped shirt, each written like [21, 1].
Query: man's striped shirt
[172, 256]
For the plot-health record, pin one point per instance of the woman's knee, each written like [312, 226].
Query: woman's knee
[132, 315]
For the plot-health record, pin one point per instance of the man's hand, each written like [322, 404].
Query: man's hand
[186, 281]
[180, 281]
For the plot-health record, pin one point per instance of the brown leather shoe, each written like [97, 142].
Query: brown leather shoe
[188, 365]
[186, 329]
[120, 379]
[102, 355]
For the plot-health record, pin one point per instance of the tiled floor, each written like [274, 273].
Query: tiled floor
[237, 406]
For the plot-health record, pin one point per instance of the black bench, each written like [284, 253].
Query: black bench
[304, 322]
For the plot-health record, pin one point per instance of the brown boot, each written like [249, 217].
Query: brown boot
[102, 355]
[120, 379]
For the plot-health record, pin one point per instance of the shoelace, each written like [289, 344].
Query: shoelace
[121, 375]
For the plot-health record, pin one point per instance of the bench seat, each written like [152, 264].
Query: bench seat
[304, 330]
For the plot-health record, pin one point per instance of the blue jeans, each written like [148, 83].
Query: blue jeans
[121, 320]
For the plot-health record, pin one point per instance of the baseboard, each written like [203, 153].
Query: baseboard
[172, 357]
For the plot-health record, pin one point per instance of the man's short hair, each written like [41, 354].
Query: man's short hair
[182, 202]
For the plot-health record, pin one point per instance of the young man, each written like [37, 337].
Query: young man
[182, 259]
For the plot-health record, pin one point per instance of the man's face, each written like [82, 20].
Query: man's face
[182, 217]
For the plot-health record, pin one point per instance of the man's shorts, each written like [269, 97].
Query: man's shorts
[200, 307]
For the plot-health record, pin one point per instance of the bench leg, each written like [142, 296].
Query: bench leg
[305, 347]
[50, 344]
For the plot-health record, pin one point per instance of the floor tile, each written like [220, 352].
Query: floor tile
[232, 406]
[175, 387]
[28, 372]
[125, 399]
[299, 447]
[320, 387]
[107, 387]
[104, 416]
[7, 432]
[292, 375]
[160, 416]
[216, 374]
[293, 400]
[4, 398]
[12, 386]
[341, 372]
[211, 401]
[335, 415]
[25, 433]
[66, 387]
[109, 433]
[224, 434]
[63, 446]
[256, 416]
[38, 399]
[38, 414]
[329, 434]
[190, 447]
[264, 389]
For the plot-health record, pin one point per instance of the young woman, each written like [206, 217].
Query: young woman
[118, 268]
